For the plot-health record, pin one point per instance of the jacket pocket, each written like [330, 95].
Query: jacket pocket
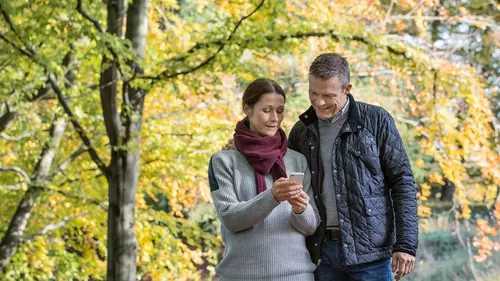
[379, 213]
[366, 153]
[370, 176]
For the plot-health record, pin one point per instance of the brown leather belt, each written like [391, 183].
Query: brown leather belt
[332, 233]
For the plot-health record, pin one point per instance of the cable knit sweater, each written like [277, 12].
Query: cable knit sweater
[264, 239]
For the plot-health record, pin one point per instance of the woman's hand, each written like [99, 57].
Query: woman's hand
[299, 203]
[230, 145]
[285, 189]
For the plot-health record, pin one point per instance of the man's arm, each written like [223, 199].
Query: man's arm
[398, 174]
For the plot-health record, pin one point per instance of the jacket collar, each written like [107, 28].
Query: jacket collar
[353, 123]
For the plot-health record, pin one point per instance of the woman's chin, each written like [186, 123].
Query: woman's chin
[269, 133]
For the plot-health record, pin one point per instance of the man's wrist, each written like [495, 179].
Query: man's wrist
[402, 250]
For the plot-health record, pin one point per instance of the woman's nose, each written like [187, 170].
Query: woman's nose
[274, 116]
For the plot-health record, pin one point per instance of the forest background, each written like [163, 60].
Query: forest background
[110, 111]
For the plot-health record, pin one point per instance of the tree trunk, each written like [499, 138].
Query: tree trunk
[447, 191]
[124, 167]
[109, 73]
[14, 234]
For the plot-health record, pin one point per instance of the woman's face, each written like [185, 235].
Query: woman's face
[266, 115]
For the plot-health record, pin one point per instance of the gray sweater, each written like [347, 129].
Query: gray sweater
[264, 239]
[328, 132]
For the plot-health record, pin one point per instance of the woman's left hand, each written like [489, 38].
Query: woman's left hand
[299, 203]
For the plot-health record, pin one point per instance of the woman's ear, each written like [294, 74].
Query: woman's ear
[247, 110]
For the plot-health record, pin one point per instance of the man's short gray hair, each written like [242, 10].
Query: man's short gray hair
[329, 65]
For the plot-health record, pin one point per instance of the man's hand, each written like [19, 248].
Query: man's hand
[299, 203]
[229, 145]
[285, 189]
[402, 263]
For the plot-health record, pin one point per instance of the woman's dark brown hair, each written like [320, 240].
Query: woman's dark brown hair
[259, 87]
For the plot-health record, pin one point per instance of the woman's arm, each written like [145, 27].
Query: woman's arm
[235, 215]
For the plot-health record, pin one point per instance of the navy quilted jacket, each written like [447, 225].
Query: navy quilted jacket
[374, 185]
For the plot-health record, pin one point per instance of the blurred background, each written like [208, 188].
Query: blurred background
[86, 86]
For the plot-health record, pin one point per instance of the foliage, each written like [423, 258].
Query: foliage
[199, 57]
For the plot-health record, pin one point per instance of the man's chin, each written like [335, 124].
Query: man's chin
[325, 115]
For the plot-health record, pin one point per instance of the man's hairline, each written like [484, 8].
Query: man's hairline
[327, 78]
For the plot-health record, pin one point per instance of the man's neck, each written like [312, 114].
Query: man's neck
[339, 113]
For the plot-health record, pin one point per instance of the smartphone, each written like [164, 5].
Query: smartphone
[297, 177]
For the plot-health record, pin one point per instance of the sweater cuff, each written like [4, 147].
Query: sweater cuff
[269, 197]
[305, 211]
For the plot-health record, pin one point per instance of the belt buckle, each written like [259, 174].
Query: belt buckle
[333, 234]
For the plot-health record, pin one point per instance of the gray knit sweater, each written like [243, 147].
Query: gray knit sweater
[264, 239]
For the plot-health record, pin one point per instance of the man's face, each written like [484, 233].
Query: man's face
[327, 96]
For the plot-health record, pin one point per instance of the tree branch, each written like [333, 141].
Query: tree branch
[71, 158]
[2, 36]
[84, 199]
[17, 170]
[7, 118]
[7, 19]
[96, 23]
[79, 129]
[388, 14]
[52, 227]
[12, 187]
[12, 27]
[470, 20]
[16, 138]
[165, 75]
[415, 8]
[269, 38]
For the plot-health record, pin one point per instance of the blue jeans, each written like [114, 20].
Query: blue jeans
[331, 270]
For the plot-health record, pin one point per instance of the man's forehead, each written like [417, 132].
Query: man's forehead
[324, 88]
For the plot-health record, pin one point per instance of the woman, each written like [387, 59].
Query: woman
[265, 217]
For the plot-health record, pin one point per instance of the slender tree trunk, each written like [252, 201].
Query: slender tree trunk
[117, 269]
[14, 234]
[13, 237]
[124, 167]
[109, 73]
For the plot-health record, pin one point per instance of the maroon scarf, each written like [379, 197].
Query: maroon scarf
[265, 154]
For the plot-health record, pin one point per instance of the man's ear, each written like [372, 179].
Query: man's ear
[348, 89]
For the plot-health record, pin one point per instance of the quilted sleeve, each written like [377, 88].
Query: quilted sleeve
[399, 177]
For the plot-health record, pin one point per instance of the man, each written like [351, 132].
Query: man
[362, 181]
